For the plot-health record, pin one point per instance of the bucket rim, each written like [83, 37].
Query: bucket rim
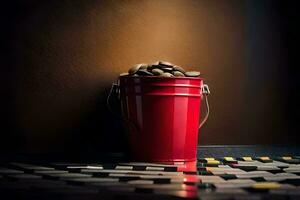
[160, 77]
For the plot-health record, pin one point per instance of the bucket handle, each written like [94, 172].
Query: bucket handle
[205, 93]
[116, 88]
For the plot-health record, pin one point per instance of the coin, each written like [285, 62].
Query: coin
[159, 68]
[177, 73]
[124, 74]
[155, 63]
[144, 72]
[157, 71]
[165, 63]
[167, 69]
[166, 74]
[192, 73]
[134, 69]
[150, 67]
[178, 68]
[143, 66]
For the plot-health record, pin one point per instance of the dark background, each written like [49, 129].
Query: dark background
[59, 59]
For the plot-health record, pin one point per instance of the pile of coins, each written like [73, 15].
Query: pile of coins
[160, 68]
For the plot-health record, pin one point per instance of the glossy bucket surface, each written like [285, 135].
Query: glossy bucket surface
[162, 117]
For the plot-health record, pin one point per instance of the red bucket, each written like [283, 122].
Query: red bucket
[162, 117]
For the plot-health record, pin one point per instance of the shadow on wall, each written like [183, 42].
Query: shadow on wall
[61, 80]
[100, 130]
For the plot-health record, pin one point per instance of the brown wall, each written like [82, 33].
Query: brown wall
[65, 55]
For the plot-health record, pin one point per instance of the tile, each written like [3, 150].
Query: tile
[230, 191]
[266, 185]
[30, 166]
[91, 171]
[155, 168]
[141, 182]
[120, 167]
[66, 176]
[281, 176]
[264, 159]
[163, 187]
[224, 166]
[10, 171]
[224, 170]
[228, 176]
[110, 171]
[292, 169]
[50, 172]
[231, 185]
[286, 175]
[25, 176]
[236, 171]
[274, 178]
[229, 160]
[277, 164]
[288, 159]
[95, 180]
[146, 164]
[254, 174]
[287, 186]
[211, 179]
[235, 183]
[225, 180]
[246, 158]
[85, 167]
[177, 180]
[241, 181]
[268, 168]
[179, 194]
[245, 167]
[250, 163]
[209, 159]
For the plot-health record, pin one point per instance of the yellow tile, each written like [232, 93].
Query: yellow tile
[247, 158]
[265, 158]
[286, 157]
[213, 162]
[266, 185]
[229, 158]
[207, 159]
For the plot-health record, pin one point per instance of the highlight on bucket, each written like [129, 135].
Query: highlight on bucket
[160, 107]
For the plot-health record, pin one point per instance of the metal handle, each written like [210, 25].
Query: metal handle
[205, 93]
[116, 88]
